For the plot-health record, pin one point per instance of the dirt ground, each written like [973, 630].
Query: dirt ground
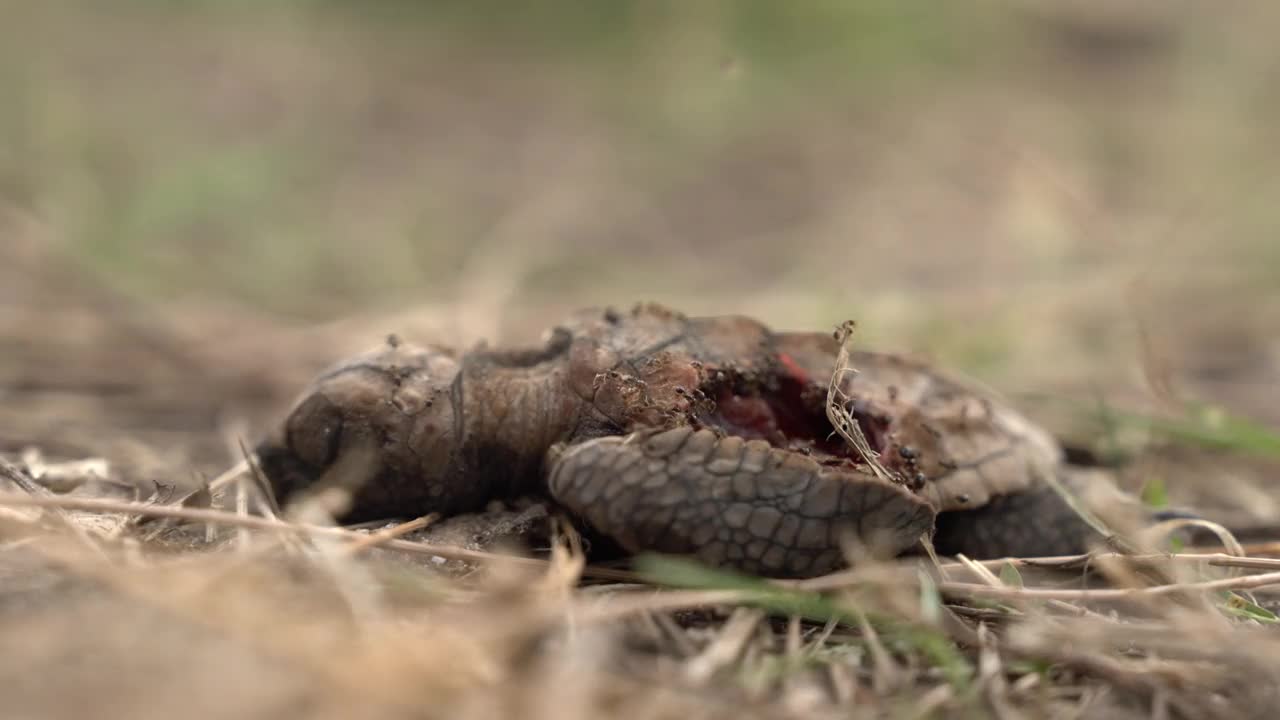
[202, 207]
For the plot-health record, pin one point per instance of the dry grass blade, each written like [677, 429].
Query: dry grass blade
[498, 173]
[930, 702]
[63, 476]
[260, 523]
[373, 540]
[1245, 562]
[886, 674]
[37, 495]
[972, 590]
[838, 402]
[229, 475]
[1051, 478]
[991, 676]
[354, 581]
[244, 539]
[19, 477]
[981, 571]
[727, 646]
[249, 460]
[618, 605]
[1168, 527]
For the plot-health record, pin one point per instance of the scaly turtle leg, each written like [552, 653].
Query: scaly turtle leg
[733, 503]
[1033, 523]
[1038, 522]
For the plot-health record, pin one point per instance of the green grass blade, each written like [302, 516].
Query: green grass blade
[684, 573]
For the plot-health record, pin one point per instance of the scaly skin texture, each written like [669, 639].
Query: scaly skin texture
[700, 436]
[727, 501]
[1034, 521]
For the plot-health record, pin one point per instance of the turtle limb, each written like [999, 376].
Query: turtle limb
[1036, 522]
[733, 503]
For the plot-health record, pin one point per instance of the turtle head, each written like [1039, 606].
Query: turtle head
[376, 436]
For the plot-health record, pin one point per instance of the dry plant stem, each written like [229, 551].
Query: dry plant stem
[991, 674]
[727, 646]
[1236, 583]
[932, 701]
[982, 571]
[821, 638]
[885, 672]
[845, 578]
[1246, 562]
[1051, 479]
[833, 581]
[243, 538]
[382, 536]
[260, 483]
[844, 423]
[792, 638]
[176, 609]
[1146, 678]
[20, 478]
[989, 578]
[353, 580]
[260, 523]
[1168, 527]
[843, 685]
[229, 475]
[669, 629]
[1262, 548]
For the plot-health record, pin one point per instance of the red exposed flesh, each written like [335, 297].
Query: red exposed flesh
[792, 416]
[747, 415]
[793, 369]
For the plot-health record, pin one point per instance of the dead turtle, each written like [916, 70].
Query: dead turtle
[703, 436]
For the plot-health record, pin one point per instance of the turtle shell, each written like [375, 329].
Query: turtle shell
[966, 443]
[436, 431]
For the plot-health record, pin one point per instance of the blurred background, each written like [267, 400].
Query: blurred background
[201, 203]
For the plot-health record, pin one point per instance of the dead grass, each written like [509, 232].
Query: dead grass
[149, 607]
[201, 207]
[215, 627]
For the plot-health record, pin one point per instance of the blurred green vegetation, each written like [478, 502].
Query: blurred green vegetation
[111, 134]
[986, 182]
